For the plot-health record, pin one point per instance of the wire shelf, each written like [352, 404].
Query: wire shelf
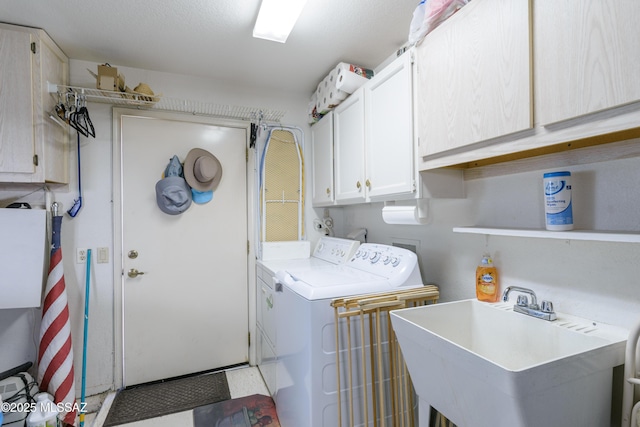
[172, 104]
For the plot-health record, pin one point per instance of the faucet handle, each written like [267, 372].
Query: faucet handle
[523, 301]
[547, 306]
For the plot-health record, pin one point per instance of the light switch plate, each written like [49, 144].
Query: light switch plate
[103, 255]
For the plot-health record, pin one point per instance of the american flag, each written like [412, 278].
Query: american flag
[55, 353]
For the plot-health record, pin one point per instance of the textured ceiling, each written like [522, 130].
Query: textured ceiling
[212, 38]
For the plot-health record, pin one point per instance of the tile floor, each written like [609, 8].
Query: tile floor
[243, 381]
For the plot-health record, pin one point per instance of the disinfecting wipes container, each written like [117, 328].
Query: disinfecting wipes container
[557, 201]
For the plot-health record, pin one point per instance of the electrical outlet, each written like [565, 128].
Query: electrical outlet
[81, 255]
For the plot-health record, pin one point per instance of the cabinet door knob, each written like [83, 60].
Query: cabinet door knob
[328, 191]
[368, 183]
[358, 185]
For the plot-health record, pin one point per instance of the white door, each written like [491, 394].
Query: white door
[188, 312]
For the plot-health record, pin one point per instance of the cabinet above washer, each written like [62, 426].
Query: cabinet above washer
[374, 154]
[373, 138]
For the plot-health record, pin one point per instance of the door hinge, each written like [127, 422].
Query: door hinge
[35, 159]
[249, 338]
[248, 247]
[246, 154]
[33, 47]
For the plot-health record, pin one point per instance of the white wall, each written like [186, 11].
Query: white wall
[591, 279]
[93, 227]
[596, 280]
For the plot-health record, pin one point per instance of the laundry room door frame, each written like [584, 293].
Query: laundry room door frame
[118, 251]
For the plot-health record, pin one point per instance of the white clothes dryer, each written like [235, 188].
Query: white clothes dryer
[306, 384]
[329, 251]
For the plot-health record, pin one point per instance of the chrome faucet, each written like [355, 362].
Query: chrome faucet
[523, 306]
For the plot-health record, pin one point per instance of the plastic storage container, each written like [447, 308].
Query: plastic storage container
[45, 414]
[558, 209]
[487, 280]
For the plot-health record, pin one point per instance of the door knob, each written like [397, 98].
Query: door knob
[134, 273]
[133, 254]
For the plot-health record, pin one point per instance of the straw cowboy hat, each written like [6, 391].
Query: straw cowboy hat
[202, 170]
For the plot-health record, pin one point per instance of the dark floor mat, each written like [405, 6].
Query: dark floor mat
[155, 400]
[254, 410]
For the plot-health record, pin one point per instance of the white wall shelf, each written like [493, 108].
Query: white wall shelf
[160, 102]
[600, 236]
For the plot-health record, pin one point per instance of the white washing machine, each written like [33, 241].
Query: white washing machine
[329, 251]
[305, 353]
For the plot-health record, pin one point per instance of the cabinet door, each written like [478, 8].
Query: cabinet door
[322, 142]
[350, 148]
[53, 138]
[474, 76]
[17, 128]
[390, 167]
[33, 148]
[586, 56]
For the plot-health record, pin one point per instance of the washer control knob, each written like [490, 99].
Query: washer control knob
[375, 257]
[386, 260]
[395, 261]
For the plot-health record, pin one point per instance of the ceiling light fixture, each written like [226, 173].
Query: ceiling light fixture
[276, 19]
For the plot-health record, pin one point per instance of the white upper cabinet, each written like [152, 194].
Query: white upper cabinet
[350, 149]
[390, 160]
[587, 56]
[374, 144]
[374, 147]
[322, 143]
[33, 148]
[474, 76]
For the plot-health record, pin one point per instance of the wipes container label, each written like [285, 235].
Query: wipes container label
[557, 195]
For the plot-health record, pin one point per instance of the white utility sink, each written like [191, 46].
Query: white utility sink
[482, 364]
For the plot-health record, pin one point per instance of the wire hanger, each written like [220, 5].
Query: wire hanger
[79, 119]
[72, 110]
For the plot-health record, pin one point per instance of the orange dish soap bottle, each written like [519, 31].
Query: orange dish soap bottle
[487, 280]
